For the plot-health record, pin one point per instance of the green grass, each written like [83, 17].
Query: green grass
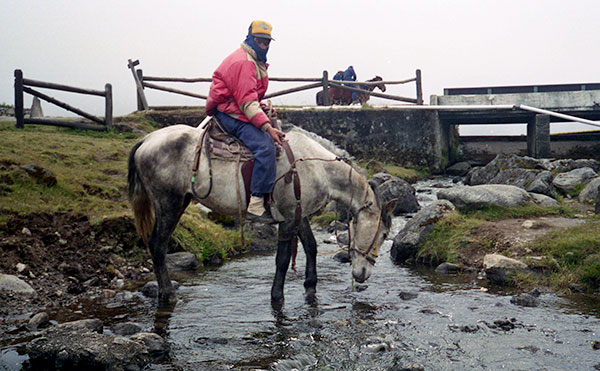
[527, 211]
[91, 172]
[410, 175]
[577, 252]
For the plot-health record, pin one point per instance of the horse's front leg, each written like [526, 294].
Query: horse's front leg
[310, 249]
[282, 260]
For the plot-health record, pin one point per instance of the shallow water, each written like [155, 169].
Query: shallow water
[400, 317]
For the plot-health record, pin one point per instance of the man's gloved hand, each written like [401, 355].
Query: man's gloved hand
[268, 109]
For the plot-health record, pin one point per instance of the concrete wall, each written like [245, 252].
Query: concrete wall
[482, 149]
[411, 138]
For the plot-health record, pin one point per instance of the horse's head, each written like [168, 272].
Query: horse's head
[369, 228]
[380, 86]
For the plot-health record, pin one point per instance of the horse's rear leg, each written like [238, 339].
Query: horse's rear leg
[282, 261]
[166, 219]
[310, 249]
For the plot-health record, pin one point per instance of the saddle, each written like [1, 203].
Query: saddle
[224, 146]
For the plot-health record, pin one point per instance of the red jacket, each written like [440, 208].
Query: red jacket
[238, 85]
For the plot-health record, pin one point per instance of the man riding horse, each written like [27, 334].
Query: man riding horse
[238, 85]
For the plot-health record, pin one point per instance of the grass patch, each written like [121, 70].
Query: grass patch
[526, 211]
[206, 239]
[577, 252]
[325, 218]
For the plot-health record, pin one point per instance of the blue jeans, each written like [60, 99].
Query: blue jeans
[261, 145]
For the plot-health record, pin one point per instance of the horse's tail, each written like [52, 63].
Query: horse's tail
[138, 198]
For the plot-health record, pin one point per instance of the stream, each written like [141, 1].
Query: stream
[400, 318]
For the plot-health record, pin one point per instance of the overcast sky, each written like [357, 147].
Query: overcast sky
[455, 44]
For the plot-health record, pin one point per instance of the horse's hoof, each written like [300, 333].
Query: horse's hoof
[167, 298]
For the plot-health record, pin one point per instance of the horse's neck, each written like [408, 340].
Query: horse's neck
[350, 188]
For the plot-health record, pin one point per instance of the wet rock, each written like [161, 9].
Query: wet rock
[525, 300]
[459, 169]
[468, 329]
[126, 328]
[263, 237]
[500, 269]
[409, 367]
[40, 175]
[182, 261]
[482, 196]
[567, 182]
[62, 347]
[404, 295]
[342, 257]
[590, 192]
[447, 268]
[150, 289]
[157, 346]
[530, 348]
[343, 239]
[94, 325]
[38, 321]
[395, 188]
[503, 324]
[415, 230]
[8, 282]
[596, 345]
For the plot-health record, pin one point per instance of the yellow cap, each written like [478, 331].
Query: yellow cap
[261, 29]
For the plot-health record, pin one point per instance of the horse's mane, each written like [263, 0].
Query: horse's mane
[326, 143]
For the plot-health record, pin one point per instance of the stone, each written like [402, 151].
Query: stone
[589, 193]
[182, 261]
[459, 169]
[482, 196]
[157, 346]
[531, 180]
[67, 348]
[567, 182]
[342, 257]
[94, 325]
[543, 200]
[40, 175]
[483, 175]
[12, 283]
[38, 321]
[500, 269]
[150, 289]
[525, 300]
[126, 328]
[448, 268]
[396, 188]
[36, 108]
[417, 228]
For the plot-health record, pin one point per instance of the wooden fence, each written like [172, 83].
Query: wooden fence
[23, 85]
[323, 83]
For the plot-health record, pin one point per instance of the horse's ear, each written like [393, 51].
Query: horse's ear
[390, 206]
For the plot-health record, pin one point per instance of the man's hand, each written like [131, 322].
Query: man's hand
[277, 135]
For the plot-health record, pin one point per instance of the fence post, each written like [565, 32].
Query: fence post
[139, 85]
[108, 108]
[325, 88]
[19, 99]
[419, 88]
[140, 102]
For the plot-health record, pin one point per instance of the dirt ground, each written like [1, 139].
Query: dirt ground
[65, 257]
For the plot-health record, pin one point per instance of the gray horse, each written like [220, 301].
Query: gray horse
[160, 168]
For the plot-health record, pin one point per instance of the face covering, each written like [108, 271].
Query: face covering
[260, 53]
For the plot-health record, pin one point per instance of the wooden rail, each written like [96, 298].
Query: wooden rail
[323, 82]
[23, 85]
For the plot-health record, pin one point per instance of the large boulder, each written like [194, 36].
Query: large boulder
[417, 228]
[389, 187]
[459, 169]
[483, 175]
[182, 261]
[566, 165]
[531, 180]
[590, 192]
[482, 196]
[568, 182]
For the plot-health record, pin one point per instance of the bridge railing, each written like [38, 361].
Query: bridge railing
[142, 82]
[23, 85]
